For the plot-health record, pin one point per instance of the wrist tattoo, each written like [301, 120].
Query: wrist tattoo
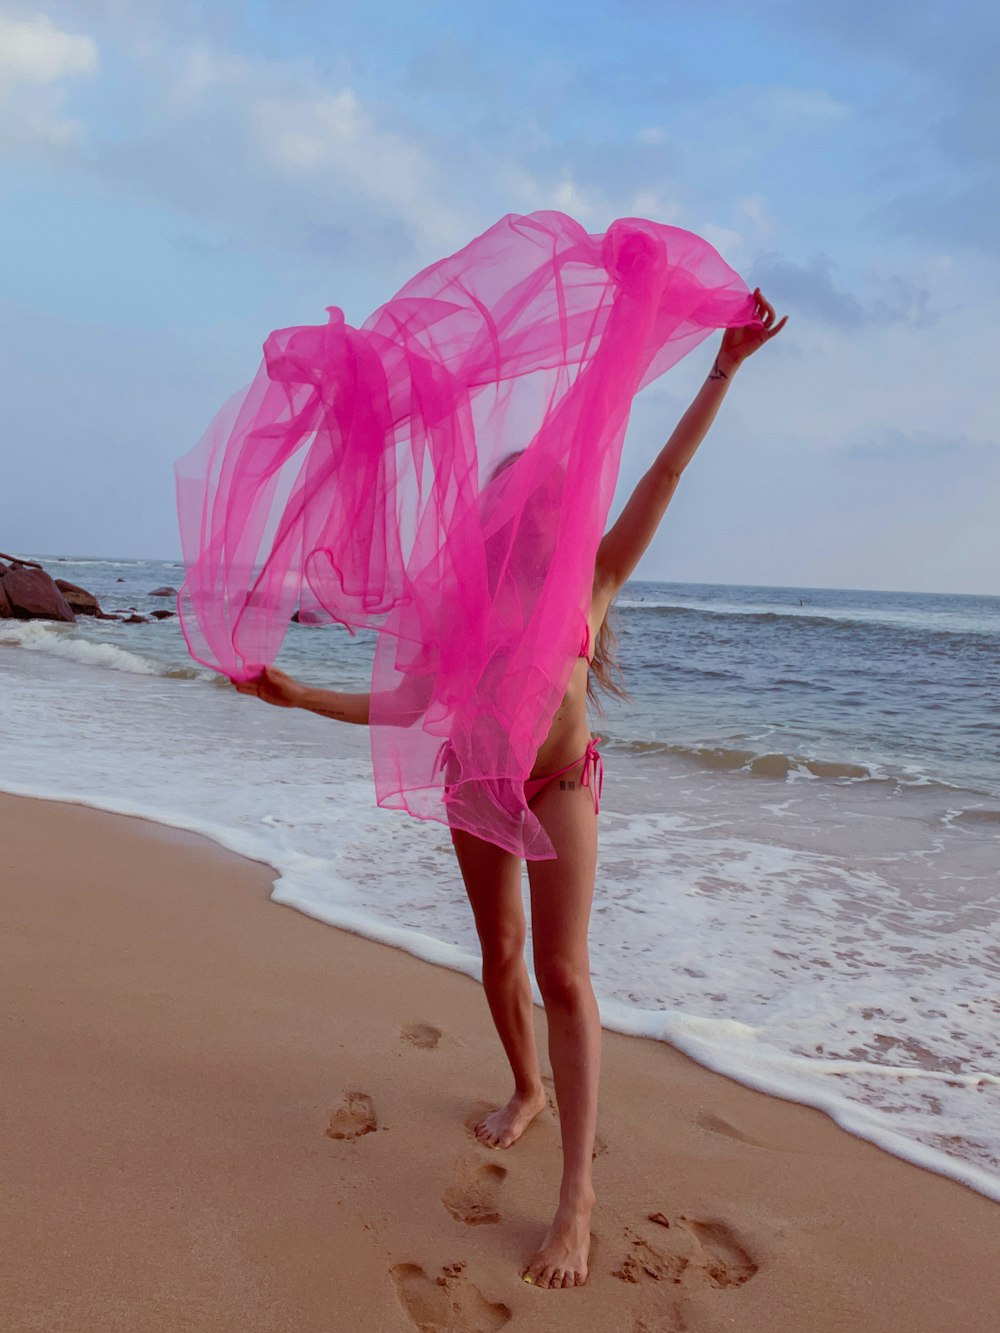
[717, 373]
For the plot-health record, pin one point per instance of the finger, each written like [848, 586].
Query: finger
[778, 327]
[768, 311]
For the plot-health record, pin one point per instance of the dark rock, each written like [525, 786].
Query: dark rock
[119, 580]
[6, 610]
[309, 618]
[33, 595]
[162, 615]
[16, 560]
[135, 620]
[84, 603]
[163, 592]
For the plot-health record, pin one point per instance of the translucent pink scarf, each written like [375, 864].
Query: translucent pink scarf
[443, 474]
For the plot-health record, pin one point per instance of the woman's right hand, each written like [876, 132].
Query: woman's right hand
[741, 342]
[274, 687]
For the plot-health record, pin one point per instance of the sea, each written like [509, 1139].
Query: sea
[799, 868]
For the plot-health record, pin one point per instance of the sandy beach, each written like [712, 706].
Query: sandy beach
[222, 1115]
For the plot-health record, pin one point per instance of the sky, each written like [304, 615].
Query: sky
[178, 179]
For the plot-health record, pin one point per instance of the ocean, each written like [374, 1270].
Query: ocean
[799, 871]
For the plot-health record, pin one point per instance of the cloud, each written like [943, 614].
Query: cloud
[946, 110]
[34, 51]
[811, 289]
[332, 137]
[277, 153]
[798, 104]
[35, 59]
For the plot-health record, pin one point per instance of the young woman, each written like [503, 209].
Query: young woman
[563, 792]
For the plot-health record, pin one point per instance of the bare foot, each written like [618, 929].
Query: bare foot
[562, 1260]
[505, 1126]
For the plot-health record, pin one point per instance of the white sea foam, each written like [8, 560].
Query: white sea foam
[54, 563]
[973, 619]
[40, 637]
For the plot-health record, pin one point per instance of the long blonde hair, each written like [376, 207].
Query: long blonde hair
[605, 673]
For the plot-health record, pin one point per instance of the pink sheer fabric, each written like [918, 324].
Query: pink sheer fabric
[443, 475]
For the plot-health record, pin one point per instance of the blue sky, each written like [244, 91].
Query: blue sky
[179, 179]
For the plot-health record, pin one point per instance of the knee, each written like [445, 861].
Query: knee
[503, 952]
[564, 984]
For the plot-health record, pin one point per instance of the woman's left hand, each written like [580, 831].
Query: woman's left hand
[738, 344]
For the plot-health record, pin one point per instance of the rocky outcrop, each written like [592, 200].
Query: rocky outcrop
[27, 592]
[84, 603]
[33, 595]
[16, 560]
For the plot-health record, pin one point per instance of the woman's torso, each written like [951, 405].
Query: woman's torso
[569, 734]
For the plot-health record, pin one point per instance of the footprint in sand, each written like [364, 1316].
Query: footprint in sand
[424, 1035]
[721, 1256]
[355, 1116]
[645, 1260]
[715, 1124]
[694, 1251]
[473, 1197]
[450, 1303]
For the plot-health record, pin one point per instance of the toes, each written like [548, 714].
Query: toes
[569, 1280]
[550, 1277]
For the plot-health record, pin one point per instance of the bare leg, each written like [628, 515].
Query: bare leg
[493, 883]
[561, 895]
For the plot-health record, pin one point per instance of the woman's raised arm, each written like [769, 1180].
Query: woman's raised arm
[626, 541]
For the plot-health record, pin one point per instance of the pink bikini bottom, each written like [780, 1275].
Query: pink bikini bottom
[591, 775]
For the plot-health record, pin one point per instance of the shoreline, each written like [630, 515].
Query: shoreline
[180, 1049]
[772, 1073]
